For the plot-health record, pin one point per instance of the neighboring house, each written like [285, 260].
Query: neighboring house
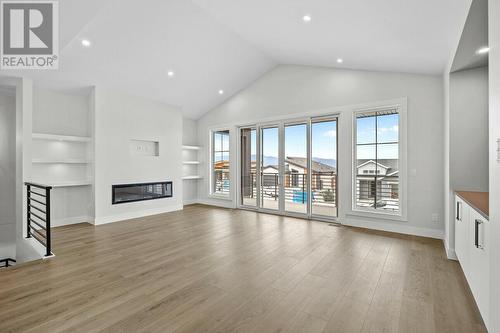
[385, 174]
[323, 175]
[221, 174]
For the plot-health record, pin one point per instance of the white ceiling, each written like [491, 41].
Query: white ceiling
[227, 44]
[474, 37]
[389, 35]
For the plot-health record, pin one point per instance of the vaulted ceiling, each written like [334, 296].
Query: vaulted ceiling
[227, 44]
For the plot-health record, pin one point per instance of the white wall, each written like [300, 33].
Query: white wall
[466, 140]
[26, 249]
[190, 137]
[58, 112]
[120, 118]
[469, 130]
[298, 90]
[494, 135]
[64, 113]
[7, 174]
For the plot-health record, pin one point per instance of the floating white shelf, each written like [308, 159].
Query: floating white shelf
[74, 183]
[62, 161]
[191, 162]
[56, 137]
[191, 177]
[191, 147]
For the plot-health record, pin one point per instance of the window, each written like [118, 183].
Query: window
[377, 147]
[220, 181]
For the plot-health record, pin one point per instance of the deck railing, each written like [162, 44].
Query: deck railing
[380, 192]
[323, 187]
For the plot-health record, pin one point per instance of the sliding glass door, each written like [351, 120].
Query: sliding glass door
[324, 167]
[270, 175]
[290, 168]
[248, 167]
[296, 168]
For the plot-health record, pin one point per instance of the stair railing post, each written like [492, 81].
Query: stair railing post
[28, 213]
[47, 215]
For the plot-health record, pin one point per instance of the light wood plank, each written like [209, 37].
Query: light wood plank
[207, 269]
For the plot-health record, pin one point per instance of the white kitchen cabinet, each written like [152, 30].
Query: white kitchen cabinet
[473, 249]
[479, 261]
[462, 212]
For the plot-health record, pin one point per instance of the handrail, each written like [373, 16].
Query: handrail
[5, 262]
[43, 233]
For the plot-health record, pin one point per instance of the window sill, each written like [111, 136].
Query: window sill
[377, 215]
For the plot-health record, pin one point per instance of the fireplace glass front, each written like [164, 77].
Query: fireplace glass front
[138, 192]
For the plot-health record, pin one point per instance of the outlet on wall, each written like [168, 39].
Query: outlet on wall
[435, 217]
[498, 150]
[144, 148]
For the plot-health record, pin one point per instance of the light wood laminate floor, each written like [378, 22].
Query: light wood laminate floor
[209, 269]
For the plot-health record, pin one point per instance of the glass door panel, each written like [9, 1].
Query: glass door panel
[324, 167]
[296, 169]
[269, 168]
[248, 167]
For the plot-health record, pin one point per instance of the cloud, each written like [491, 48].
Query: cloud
[330, 134]
[394, 129]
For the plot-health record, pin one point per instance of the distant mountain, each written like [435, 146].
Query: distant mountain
[273, 160]
[270, 160]
[327, 161]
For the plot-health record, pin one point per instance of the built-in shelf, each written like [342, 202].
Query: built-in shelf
[56, 137]
[74, 183]
[191, 177]
[61, 161]
[191, 147]
[191, 159]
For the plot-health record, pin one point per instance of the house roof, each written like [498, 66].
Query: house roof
[391, 165]
[371, 161]
[316, 166]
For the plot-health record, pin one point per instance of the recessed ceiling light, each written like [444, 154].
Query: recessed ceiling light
[86, 42]
[483, 50]
[170, 73]
[306, 18]
[340, 60]
[221, 92]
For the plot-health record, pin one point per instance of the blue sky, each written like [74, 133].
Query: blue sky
[387, 131]
[324, 138]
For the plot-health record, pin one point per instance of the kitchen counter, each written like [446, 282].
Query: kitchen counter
[477, 200]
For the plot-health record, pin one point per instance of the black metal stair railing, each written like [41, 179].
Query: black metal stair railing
[6, 262]
[38, 214]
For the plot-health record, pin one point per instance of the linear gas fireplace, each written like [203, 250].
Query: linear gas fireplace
[124, 193]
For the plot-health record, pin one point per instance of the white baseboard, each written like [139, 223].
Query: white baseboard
[135, 214]
[450, 253]
[216, 203]
[72, 220]
[190, 202]
[397, 227]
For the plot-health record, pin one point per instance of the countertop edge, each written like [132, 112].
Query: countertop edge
[457, 193]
